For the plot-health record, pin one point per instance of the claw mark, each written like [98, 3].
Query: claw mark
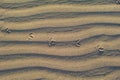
[77, 43]
[31, 36]
[51, 43]
[5, 30]
[100, 50]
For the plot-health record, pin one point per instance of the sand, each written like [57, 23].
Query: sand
[59, 40]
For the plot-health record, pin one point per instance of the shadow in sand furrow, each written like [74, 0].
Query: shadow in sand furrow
[48, 2]
[54, 15]
[89, 73]
[41, 79]
[117, 78]
[66, 28]
[96, 54]
[76, 43]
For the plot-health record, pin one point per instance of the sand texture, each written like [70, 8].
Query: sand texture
[59, 40]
